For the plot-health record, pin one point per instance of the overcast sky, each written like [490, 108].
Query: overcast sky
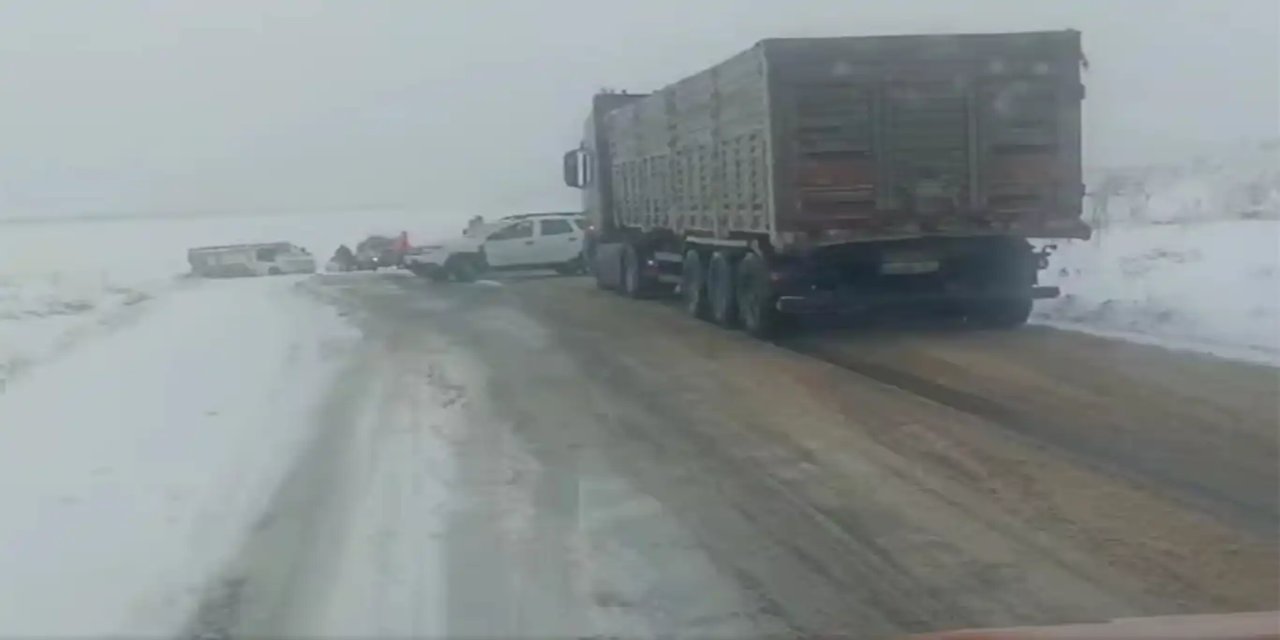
[465, 106]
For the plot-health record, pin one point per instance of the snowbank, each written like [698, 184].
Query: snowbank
[1183, 256]
[131, 472]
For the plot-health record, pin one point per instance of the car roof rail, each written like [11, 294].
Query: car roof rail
[522, 216]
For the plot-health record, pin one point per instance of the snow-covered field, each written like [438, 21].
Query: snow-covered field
[131, 471]
[1210, 286]
[64, 281]
[147, 418]
[1185, 256]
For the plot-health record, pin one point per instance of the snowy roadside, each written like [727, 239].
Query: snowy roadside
[43, 315]
[1211, 286]
[132, 470]
[1185, 256]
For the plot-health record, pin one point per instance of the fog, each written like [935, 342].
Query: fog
[454, 108]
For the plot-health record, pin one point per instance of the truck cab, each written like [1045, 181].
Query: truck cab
[583, 168]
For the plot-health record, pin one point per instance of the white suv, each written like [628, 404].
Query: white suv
[528, 241]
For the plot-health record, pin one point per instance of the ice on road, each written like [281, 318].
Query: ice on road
[371, 455]
[131, 469]
[424, 510]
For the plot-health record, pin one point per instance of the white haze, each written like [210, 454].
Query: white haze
[456, 107]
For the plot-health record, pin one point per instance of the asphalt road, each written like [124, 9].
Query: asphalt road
[538, 458]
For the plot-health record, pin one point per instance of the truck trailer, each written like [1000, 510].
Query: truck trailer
[837, 175]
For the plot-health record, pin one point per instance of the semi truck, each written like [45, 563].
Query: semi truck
[840, 175]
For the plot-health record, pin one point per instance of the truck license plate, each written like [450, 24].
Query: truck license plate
[907, 268]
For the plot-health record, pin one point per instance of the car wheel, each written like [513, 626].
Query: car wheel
[720, 289]
[572, 267]
[462, 268]
[576, 266]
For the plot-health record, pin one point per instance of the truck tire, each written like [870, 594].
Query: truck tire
[720, 290]
[757, 308]
[632, 284]
[693, 284]
[1005, 313]
[274, 271]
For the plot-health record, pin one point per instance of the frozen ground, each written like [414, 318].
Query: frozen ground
[1186, 256]
[131, 471]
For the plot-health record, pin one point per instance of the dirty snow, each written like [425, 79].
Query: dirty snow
[130, 472]
[1185, 256]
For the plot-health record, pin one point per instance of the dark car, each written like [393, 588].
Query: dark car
[377, 251]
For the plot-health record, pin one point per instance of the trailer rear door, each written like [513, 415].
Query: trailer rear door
[889, 139]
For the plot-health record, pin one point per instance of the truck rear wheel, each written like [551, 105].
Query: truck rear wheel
[720, 289]
[693, 284]
[756, 300]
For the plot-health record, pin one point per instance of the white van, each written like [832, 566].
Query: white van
[242, 260]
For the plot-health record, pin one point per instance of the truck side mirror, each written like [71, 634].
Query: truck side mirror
[573, 169]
